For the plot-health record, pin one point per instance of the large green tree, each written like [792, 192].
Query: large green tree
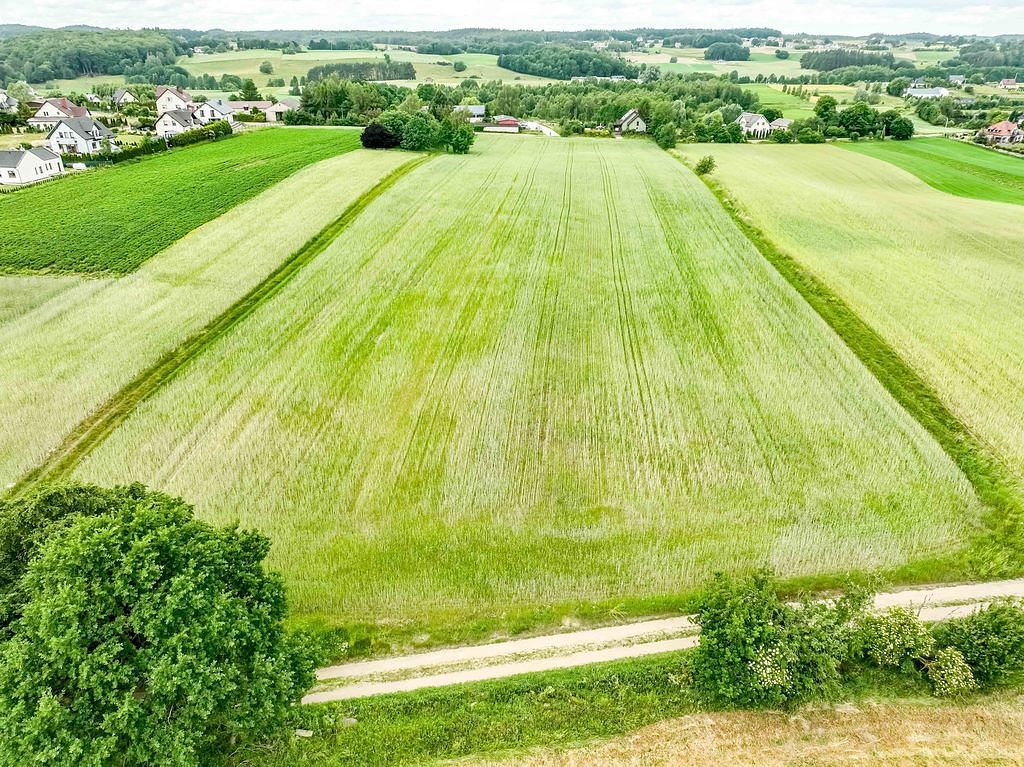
[144, 637]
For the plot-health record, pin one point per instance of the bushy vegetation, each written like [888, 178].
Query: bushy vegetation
[726, 52]
[153, 202]
[386, 69]
[561, 62]
[825, 61]
[991, 642]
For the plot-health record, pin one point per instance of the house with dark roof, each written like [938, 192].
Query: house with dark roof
[780, 123]
[7, 102]
[26, 166]
[124, 96]
[475, 112]
[52, 111]
[81, 135]
[176, 121]
[213, 111]
[631, 122]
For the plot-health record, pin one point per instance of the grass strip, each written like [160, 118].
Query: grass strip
[93, 430]
[997, 550]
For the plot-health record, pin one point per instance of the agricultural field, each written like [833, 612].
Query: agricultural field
[147, 205]
[965, 170]
[939, 277]
[763, 61]
[550, 372]
[68, 343]
[791, 105]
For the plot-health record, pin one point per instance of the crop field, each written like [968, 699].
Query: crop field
[955, 167]
[68, 343]
[791, 105]
[551, 372]
[939, 277]
[146, 206]
[762, 62]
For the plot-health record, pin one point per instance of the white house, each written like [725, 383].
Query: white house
[52, 111]
[780, 123]
[212, 111]
[957, 80]
[22, 166]
[1008, 83]
[275, 112]
[926, 93]
[123, 96]
[174, 122]
[170, 99]
[7, 102]
[631, 122]
[754, 124]
[80, 135]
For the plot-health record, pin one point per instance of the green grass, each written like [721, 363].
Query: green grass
[936, 277]
[546, 373]
[113, 219]
[792, 106]
[762, 62]
[69, 344]
[954, 167]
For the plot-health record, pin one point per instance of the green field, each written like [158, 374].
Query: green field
[68, 343]
[763, 61]
[939, 277]
[129, 212]
[546, 373]
[962, 169]
[791, 105]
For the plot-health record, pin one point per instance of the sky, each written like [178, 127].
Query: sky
[849, 17]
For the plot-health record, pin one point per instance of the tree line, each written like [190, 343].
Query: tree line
[562, 63]
[365, 70]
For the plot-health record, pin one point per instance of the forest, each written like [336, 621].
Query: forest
[561, 63]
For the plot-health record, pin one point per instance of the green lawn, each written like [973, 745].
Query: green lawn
[962, 169]
[549, 373]
[131, 211]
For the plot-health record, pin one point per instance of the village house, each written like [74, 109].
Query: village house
[754, 124]
[1004, 132]
[170, 99]
[1008, 83]
[81, 135]
[52, 111]
[275, 112]
[250, 107]
[213, 111]
[631, 122]
[957, 80]
[92, 98]
[123, 96]
[780, 123]
[926, 93]
[7, 102]
[26, 166]
[475, 112]
[174, 122]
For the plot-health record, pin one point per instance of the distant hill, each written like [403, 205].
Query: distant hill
[13, 30]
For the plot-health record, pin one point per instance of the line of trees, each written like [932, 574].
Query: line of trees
[562, 63]
[365, 70]
[726, 52]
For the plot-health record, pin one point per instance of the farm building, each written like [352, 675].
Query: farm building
[926, 93]
[123, 96]
[631, 122]
[26, 166]
[1004, 132]
[475, 112]
[170, 99]
[506, 121]
[1008, 83]
[7, 102]
[213, 110]
[52, 111]
[175, 121]
[754, 124]
[80, 135]
[957, 80]
[780, 123]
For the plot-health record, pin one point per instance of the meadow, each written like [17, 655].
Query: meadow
[965, 170]
[68, 343]
[763, 61]
[792, 106]
[131, 211]
[939, 277]
[546, 373]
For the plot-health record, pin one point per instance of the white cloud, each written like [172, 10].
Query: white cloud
[845, 17]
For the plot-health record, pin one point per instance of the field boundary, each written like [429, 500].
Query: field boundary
[997, 549]
[90, 432]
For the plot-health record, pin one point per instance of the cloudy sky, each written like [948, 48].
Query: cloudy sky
[815, 16]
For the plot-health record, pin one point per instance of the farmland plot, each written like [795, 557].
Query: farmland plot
[67, 344]
[546, 372]
[940, 278]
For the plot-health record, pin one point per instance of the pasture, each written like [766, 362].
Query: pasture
[133, 210]
[551, 372]
[68, 343]
[965, 170]
[939, 277]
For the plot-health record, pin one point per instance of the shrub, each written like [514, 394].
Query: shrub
[570, 127]
[705, 165]
[665, 136]
[810, 136]
[901, 129]
[895, 638]
[420, 133]
[781, 53]
[991, 641]
[266, 68]
[376, 136]
[459, 66]
[950, 675]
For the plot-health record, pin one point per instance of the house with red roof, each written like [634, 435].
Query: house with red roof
[1004, 132]
[52, 111]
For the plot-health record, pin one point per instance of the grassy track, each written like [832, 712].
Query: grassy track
[924, 286]
[112, 220]
[70, 344]
[548, 373]
[952, 166]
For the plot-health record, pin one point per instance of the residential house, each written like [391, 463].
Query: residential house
[754, 124]
[926, 93]
[7, 102]
[92, 98]
[275, 112]
[124, 96]
[1004, 132]
[631, 122]
[23, 166]
[52, 111]
[212, 111]
[81, 135]
[175, 121]
[957, 80]
[780, 123]
[1008, 83]
[171, 99]
[918, 83]
[250, 107]
[475, 112]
